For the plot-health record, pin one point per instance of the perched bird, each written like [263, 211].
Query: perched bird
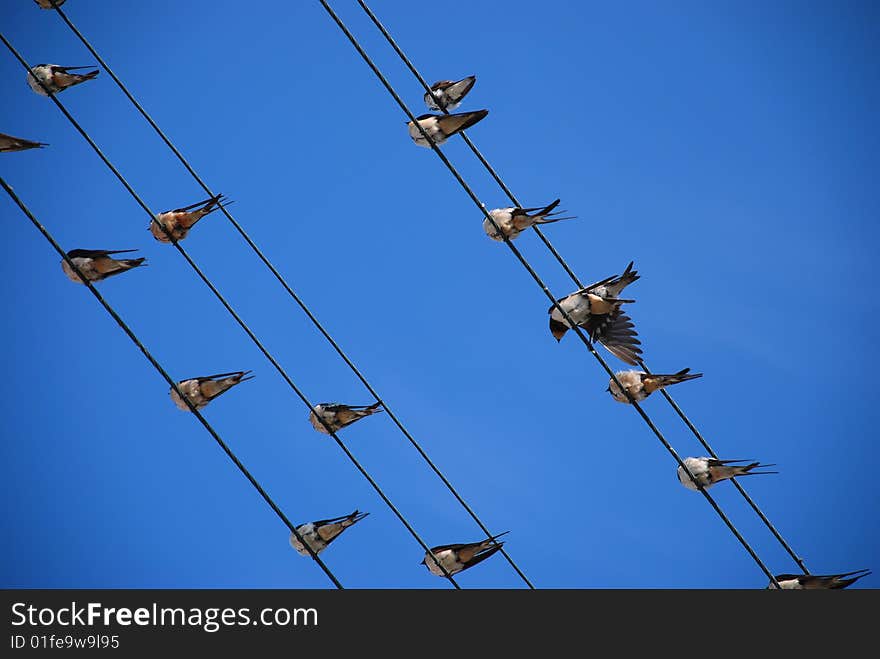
[179, 221]
[10, 143]
[47, 4]
[640, 385]
[57, 78]
[709, 471]
[337, 415]
[97, 264]
[459, 557]
[513, 221]
[440, 127]
[817, 581]
[203, 390]
[318, 535]
[447, 95]
[597, 309]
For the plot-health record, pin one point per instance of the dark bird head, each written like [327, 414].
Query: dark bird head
[557, 329]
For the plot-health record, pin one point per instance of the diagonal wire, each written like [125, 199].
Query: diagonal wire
[467, 140]
[577, 281]
[125, 328]
[290, 291]
[797, 559]
[354, 42]
[233, 313]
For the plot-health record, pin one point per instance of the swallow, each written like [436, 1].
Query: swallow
[97, 264]
[57, 78]
[817, 581]
[179, 221]
[47, 4]
[597, 309]
[440, 127]
[447, 95]
[513, 221]
[10, 143]
[709, 471]
[338, 416]
[318, 535]
[640, 385]
[203, 390]
[460, 557]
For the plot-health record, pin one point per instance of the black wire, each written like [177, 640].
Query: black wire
[797, 559]
[576, 280]
[168, 379]
[290, 291]
[542, 285]
[232, 312]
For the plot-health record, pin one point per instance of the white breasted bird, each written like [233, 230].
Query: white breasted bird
[440, 127]
[640, 385]
[817, 581]
[57, 78]
[10, 143]
[447, 95]
[709, 471]
[47, 4]
[459, 557]
[513, 221]
[203, 390]
[318, 535]
[179, 221]
[338, 416]
[97, 264]
[597, 309]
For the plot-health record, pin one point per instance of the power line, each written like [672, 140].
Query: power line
[125, 328]
[540, 283]
[797, 559]
[576, 280]
[234, 314]
[290, 291]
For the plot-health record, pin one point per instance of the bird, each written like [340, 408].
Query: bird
[817, 581]
[708, 471]
[513, 221]
[202, 390]
[47, 4]
[10, 143]
[97, 264]
[318, 535]
[640, 385]
[459, 557]
[338, 416]
[597, 309]
[440, 127]
[447, 95]
[179, 221]
[57, 78]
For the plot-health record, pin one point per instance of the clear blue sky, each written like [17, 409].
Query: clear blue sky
[729, 148]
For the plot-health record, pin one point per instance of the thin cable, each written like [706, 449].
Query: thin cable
[232, 312]
[464, 136]
[541, 284]
[797, 559]
[577, 281]
[172, 383]
[290, 291]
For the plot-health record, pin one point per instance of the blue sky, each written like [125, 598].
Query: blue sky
[729, 149]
